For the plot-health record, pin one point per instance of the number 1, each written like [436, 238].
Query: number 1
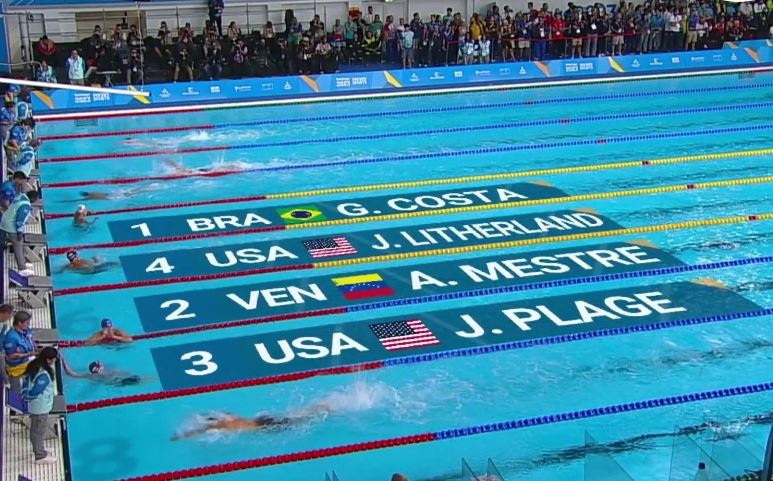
[143, 229]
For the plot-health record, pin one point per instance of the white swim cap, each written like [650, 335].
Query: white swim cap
[81, 207]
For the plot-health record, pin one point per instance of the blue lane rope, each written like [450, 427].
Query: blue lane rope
[512, 125]
[503, 149]
[558, 283]
[604, 410]
[497, 105]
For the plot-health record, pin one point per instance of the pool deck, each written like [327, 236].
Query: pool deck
[17, 459]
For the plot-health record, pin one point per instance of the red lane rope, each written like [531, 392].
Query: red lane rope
[123, 155]
[176, 205]
[177, 280]
[286, 458]
[118, 133]
[134, 180]
[261, 381]
[161, 240]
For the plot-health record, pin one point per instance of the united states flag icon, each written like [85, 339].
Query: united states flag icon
[408, 334]
[333, 246]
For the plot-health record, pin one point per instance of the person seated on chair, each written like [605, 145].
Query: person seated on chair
[108, 335]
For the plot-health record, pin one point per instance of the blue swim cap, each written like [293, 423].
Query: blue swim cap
[106, 323]
[94, 367]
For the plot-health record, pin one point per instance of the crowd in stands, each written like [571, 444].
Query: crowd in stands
[501, 35]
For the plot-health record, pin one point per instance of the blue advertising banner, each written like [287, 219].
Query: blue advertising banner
[738, 54]
[307, 295]
[248, 357]
[305, 251]
[371, 207]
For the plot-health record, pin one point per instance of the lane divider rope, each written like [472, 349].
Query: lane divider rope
[433, 182]
[417, 254]
[413, 133]
[478, 350]
[428, 437]
[424, 213]
[452, 108]
[421, 156]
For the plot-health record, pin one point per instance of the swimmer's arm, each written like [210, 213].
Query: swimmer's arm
[122, 336]
[190, 434]
[95, 338]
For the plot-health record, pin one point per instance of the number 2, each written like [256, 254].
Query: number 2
[205, 360]
[177, 314]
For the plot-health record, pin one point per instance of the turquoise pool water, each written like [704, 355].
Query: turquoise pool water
[133, 439]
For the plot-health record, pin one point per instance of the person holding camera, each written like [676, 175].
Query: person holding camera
[183, 59]
[214, 66]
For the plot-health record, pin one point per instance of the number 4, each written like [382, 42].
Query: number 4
[160, 264]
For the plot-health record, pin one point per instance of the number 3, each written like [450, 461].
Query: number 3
[205, 359]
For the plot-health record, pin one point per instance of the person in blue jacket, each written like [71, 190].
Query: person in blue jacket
[18, 348]
[12, 225]
[11, 188]
[38, 391]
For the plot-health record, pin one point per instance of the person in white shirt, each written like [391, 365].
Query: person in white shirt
[75, 68]
[46, 73]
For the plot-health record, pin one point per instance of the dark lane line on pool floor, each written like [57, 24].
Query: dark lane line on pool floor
[454, 108]
[427, 155]
[417, 133]
[127, 233]
[196, 368]
[430, 182]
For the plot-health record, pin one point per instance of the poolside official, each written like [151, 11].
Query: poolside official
[19, 348]
[12, 225]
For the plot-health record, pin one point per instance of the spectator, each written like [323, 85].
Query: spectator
[6, 316]
[268, 32]
[234, 32]
[371, 48]
[39, 393]
[47, 50]
[134, 69]
[557, 32]
[75, 68]
[183, 60]
[305, 56]
[539, 35]
[216, 8]
[45, 73]
[239, 57]
[657, 25]
[213, 67]
[406, 42]
[19, 349]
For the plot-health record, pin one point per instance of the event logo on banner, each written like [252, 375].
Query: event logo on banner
[254, 356]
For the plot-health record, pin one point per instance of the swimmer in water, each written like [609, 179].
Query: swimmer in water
[108, 335]
[122, 193]
[85, 266]
[80, 217]
[99, 374]
[180, 169]
[217, 422]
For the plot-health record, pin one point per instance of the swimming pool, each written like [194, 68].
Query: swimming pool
[589, 154]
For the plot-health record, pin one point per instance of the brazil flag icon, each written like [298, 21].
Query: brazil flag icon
[301, 215]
